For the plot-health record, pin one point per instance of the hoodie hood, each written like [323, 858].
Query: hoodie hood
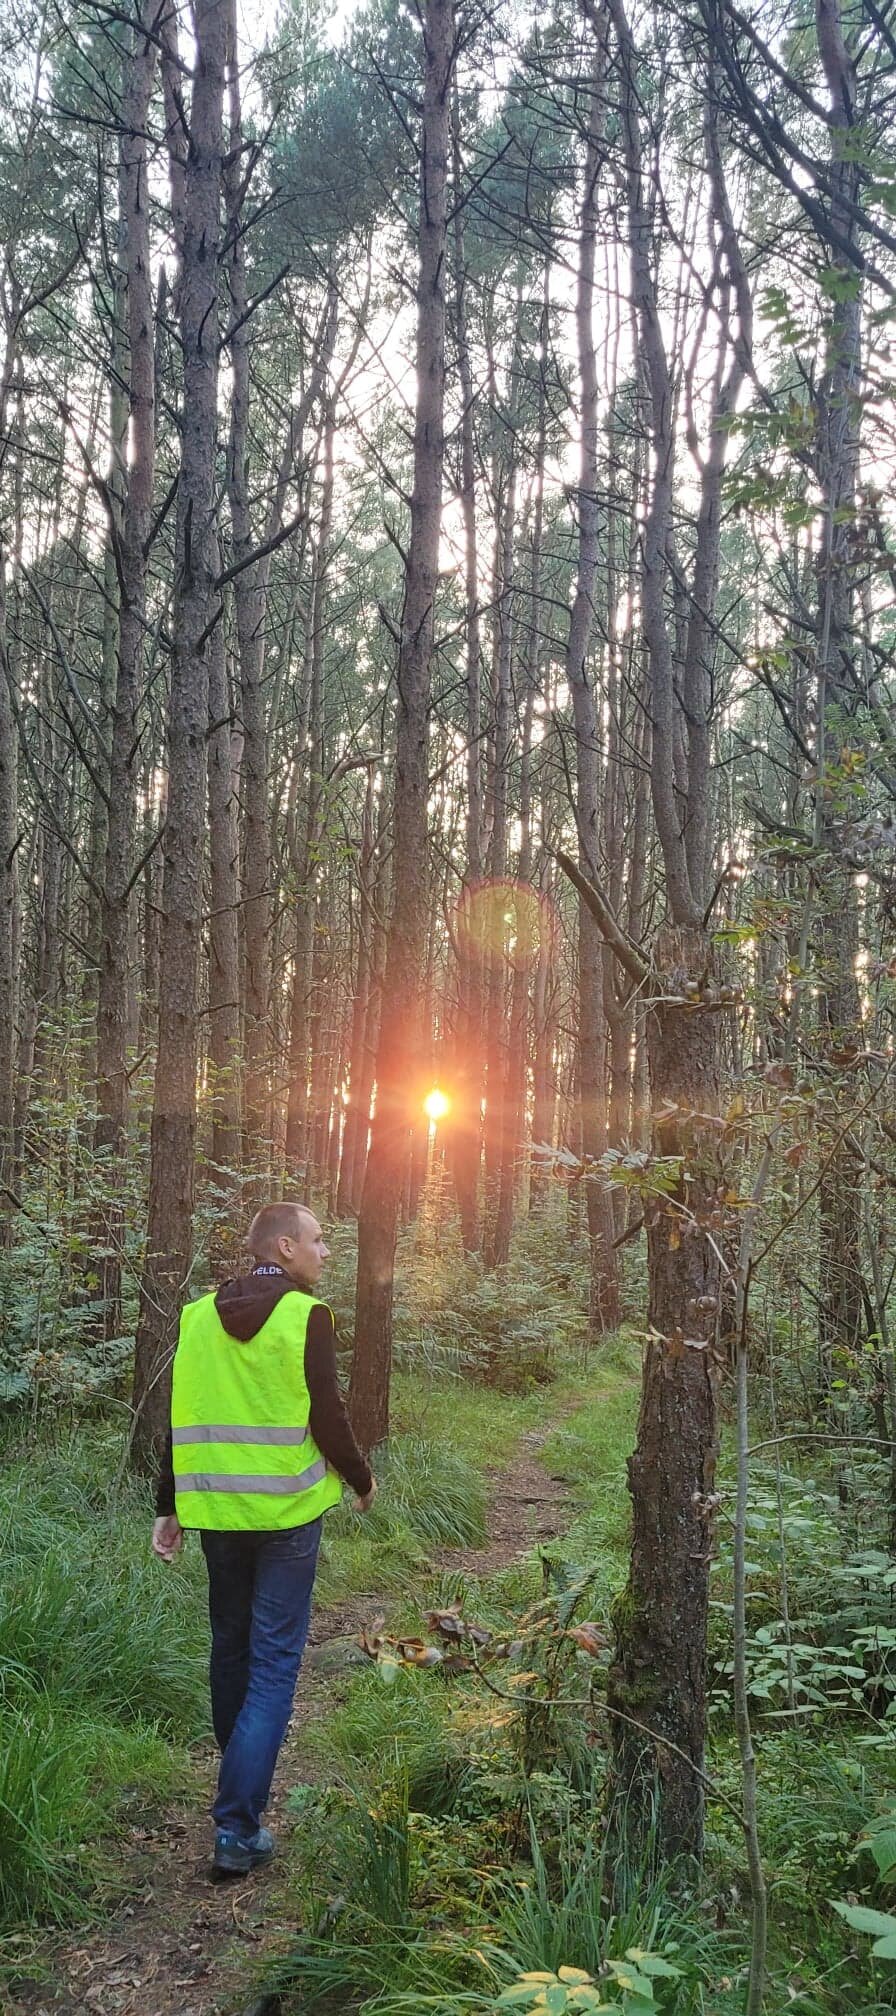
[244, 1305]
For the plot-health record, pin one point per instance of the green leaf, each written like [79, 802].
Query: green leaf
[653, 1963]
[878, 1924]
[883, 1848]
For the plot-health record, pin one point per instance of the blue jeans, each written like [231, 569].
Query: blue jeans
[259, 1603]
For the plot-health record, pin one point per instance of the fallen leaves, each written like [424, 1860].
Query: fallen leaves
[390, 1653]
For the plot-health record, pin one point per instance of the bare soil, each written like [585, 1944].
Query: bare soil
[181, 1944]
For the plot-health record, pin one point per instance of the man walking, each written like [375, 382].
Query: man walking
[260, 1439]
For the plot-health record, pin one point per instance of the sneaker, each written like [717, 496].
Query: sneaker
[236, 1857]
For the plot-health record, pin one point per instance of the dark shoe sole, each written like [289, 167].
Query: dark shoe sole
[241, 1865]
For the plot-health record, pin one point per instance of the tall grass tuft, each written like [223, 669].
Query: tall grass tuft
[435, 1490]
[102, 1654]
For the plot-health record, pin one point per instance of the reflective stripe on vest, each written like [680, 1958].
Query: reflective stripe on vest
[223, 1481]
[242, 1448]
[239, 1432]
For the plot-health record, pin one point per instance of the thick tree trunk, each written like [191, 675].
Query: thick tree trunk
[399, 1031]
[659, 1674]
[169, 1231]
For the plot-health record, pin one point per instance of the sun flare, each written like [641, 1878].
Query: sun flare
[436, 1104]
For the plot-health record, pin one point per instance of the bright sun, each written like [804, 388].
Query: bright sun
[436, 1104]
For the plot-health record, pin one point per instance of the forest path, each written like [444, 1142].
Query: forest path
[182, 1944]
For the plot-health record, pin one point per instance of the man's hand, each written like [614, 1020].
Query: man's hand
[167, 1536]
[364, 1504]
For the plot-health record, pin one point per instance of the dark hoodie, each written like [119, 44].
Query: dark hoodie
[243, 1306]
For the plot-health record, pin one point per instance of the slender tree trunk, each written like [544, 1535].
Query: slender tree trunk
[223, 934]
[129, 541]
[169, 1231]
[544, 1077]
[250, 585]
[840, 1196]
[356, 1119]
[399, 1044]
[604, 1297]
[297, 1117]
[518, 1044]
[9, 841]
[10, 836]
[466, 1121]
[496, 1084]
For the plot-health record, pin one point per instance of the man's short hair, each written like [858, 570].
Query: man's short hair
[273, 1222]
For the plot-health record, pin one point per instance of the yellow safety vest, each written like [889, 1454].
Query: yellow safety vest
[243, 1452]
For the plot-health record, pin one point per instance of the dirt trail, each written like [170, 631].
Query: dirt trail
[182, 1945]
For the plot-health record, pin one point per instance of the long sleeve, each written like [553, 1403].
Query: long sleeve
[165, 1481]
[330, 1425]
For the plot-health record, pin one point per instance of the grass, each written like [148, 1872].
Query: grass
[86, 1614]
[102, 1673]
[591, 1452]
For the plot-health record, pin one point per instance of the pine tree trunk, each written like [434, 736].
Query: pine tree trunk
[9, 873]
[399, 1043]
[298, 1145]
[469, 1076]
[355, 1118]
[172, 1148]
[497, 1118]
[250, 598]
[130, 540]
[659, 1673]
[604, 1291]
[223, 935]
[841, 1306]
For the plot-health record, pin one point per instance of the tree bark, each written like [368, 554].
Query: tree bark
[172, 1147]
[466, 1120]
[399, 1042]
[129, 541]
[604, 1292]
[9, 890]
[659, 1672]
[497, 1054]
[223, 932]
[658, 1677]
[841, 1310]
[356, 1119]
[250, 598]
[298, 1144]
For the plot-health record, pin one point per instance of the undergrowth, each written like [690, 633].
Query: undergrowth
[103, 1650]
[458, 1861]
[102, 1672]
